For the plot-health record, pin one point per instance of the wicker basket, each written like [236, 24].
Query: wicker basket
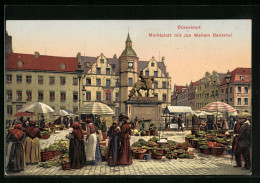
[66, 165]
[139, 155]
[154, 156]
[45, 136]
[217, 151]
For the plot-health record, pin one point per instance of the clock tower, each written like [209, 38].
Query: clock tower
[128, 72]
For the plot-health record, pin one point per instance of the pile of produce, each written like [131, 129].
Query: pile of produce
[213, 142]
[45, 135]
[60, 145]
[55, 161]
[58, 148]
[168, 148]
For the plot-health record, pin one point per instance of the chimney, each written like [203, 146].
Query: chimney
[79, 58]
[36, 54]
[163, 58]
[114, 57]
[8, 43]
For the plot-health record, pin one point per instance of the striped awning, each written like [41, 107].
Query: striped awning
[96, 108]
[219, 107]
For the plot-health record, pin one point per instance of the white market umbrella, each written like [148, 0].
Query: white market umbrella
[96, 108]
[37, 107]
[63, 112]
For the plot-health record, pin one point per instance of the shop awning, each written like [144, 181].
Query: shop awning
[177, 109]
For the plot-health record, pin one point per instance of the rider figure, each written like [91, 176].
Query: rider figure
[143, 78]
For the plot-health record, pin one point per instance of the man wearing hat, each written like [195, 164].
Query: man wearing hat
[125, 157]
[180, 122]
[243, 141]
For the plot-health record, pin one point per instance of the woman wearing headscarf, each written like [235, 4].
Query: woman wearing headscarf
[93, 154]
[104, 129]
[113, 143]
[15, 153]
[125, 157]
[32, 144]
[77, 147]
[225, 125]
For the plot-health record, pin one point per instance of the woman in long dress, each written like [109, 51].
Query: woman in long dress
[15, 153]
[77, 147]
[125, 157]
[32, 144]
[93, 154]
[113, 143]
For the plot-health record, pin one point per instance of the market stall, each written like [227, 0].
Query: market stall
[177, 110]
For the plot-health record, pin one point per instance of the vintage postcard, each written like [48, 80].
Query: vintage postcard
[128, 97]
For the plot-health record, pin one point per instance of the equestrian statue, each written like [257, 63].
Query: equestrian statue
[146, 83]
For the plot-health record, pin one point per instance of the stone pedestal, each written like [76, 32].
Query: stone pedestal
[147, 108]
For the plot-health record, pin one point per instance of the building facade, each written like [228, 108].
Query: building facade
[207, 89]
[237, 92]
[191, 95]
[177, 98]
[37, 78]
[53, 80]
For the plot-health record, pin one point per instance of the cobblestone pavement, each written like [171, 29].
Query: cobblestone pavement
[201, 165]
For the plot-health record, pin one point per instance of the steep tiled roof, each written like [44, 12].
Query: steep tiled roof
[221, 76]
[162, 67]
[143, 64]
[236, 73]
[180, 89]
[194, 83]
[43, 62]
[92, 60]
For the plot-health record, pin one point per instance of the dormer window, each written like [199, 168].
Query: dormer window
[152, 64]
[62, 66]
[87, 64]
[242, 78]
[101, 60]
[19, 63]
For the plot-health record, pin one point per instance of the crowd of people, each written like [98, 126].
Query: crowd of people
[23, 146]
[87, 151]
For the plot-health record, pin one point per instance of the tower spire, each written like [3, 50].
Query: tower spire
[128, 39]
[128, 47]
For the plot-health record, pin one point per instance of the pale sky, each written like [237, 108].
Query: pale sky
[187, 58]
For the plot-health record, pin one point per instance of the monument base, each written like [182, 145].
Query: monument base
[147, 108]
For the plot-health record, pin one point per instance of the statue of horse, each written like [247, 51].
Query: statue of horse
[144, 86]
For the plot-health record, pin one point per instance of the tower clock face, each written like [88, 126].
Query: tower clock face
[130, 64]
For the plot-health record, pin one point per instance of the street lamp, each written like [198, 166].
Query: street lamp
[83, 91]
[79, 72]
[228, 77]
